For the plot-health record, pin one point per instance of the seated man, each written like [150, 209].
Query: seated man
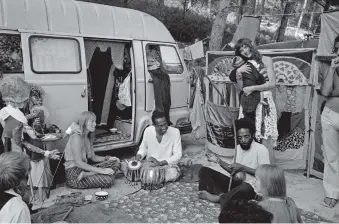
[243, 211]
[250, 154]
[161, 145]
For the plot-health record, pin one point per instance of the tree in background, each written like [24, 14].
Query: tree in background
[219, 26]
[284, 20]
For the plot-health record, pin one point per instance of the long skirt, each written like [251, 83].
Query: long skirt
[40, 174]
[94, 181]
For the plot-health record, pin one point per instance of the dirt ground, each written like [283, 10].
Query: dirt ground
[307, 193]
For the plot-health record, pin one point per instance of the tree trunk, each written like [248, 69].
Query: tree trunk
[312, 9]
[209, 3]
[250, 7]
[302, 14]
[240, 10]
[284, 20]
[126, 3]
[161, 3]
[262, 9]
[219, 26]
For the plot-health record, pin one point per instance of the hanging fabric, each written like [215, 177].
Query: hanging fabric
[197, 117]
[162, 91]
[108, 96]
[117, 51]
[125, 91]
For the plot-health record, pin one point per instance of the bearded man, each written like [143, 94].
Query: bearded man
[213, 185]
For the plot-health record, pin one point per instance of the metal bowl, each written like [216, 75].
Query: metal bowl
[101, 195]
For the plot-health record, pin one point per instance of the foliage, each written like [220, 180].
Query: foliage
[185, 26]
[10, 53]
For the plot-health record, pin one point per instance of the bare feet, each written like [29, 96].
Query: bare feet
[208, 196]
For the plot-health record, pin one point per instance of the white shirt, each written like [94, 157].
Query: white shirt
[15, 210]
[252, 158]
[168, 149]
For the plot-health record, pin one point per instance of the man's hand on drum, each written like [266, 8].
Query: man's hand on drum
[107, 171]
[153, 161]
[138, 157]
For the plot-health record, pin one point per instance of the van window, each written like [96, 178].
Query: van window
[11, 60]
[55, 55]
[167, 56]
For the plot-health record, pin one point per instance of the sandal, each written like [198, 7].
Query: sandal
[331, 204]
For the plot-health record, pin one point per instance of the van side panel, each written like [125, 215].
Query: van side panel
[63, 91]
[142, 117]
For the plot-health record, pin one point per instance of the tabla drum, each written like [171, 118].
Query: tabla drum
[152, 178]
[132, 172]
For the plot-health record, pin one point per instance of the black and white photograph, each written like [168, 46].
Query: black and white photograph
[169, 111]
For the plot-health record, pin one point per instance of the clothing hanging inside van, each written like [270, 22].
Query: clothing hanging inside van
[99, 68]
[162, 91]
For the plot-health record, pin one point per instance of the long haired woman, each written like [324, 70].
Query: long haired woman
[79, 149]
[271, 184]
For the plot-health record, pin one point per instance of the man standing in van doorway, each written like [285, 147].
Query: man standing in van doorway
[330, 130]
[161, 145]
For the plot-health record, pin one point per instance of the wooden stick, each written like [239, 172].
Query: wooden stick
[68, 212]
[233, 123]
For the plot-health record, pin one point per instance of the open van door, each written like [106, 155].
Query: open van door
[58, 65]
[168, 55]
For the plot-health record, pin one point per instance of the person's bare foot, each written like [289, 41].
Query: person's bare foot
[81, 175]
[208, 196]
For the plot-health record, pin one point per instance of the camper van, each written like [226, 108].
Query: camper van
[87, 57]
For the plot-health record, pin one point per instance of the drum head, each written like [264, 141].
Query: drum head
[134, 165]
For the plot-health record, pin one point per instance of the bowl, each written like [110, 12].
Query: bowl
[101, 195]
[114, 130]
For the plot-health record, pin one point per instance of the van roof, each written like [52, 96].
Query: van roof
[76, 17]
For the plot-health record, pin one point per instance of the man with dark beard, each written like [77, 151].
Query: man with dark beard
[213, 186]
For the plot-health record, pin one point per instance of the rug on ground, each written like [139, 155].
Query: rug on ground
[177, 202]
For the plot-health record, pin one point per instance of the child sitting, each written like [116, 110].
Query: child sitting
[271, 184]
[254, 77]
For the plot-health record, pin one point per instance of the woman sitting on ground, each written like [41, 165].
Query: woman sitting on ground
[14, 169]
[271, 184]
[79, 174]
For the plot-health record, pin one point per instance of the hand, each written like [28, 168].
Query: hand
[236, 167]
[244, 69]
[107, 171]
[247, 90]
[111, 158]
[212, 158]
[138, 157]
[238, 75]
[54, 154]
[153, 161]
[335, 62]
